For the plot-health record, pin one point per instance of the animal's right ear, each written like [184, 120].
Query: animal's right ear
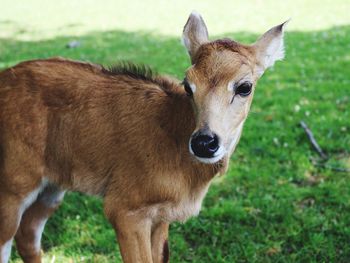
[270, 47]
[195, 34]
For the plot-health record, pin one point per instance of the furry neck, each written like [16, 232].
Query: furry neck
[180, 124]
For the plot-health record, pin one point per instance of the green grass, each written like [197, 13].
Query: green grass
[273, 205]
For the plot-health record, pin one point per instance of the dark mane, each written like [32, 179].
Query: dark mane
[141, 72]
[131, 70]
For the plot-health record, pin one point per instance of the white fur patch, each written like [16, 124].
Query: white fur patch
[235, 139]
[193, 87]
[38, 234]
[274, 52]
[50, 201]
[231, 86]
[189, 206]
[31, 197]
[6, 252]
[272, 47]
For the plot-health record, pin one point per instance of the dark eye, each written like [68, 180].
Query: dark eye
[244, 89]
[187, 87]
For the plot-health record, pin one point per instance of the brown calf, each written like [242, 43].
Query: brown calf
[146, 144]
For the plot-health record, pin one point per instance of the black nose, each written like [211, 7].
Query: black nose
[204, 145]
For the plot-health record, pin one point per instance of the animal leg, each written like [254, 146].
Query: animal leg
[160, 247]
[28, 236]
[134, 236]
[11, 207]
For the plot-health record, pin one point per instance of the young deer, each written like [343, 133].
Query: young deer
[146, 144]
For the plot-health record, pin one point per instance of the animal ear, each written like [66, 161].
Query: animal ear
[195, 34]
[270, 47]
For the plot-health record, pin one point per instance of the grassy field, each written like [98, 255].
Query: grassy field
[278, 202]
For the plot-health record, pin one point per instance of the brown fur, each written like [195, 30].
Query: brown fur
[71, 123]
[120, 134]
[80, 117]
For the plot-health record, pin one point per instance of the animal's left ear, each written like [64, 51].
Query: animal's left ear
[270, 47]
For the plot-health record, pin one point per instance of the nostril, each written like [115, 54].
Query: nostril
[213, 143]
[204, 145]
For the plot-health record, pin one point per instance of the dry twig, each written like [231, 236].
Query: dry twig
[333, 168]
[318, 149]
[313, 140]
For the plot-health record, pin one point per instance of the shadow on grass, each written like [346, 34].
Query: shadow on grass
[259, 214]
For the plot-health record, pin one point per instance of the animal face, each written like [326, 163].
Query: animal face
[221, 83]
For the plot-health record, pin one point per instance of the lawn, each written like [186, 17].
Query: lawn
[278, 202]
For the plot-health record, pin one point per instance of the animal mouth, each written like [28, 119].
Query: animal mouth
[219, 154]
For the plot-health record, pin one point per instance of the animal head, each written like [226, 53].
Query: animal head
[221, 82]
